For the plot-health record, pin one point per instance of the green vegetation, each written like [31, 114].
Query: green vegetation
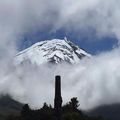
[70, 111]
[8, 106]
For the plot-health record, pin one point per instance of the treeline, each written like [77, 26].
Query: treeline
[70, 111]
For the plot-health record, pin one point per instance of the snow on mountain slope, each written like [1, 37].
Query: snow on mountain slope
[54, 51]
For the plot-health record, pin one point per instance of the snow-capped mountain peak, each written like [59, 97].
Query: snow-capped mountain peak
[53, 51]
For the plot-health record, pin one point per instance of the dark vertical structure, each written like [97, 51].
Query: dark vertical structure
[58, 98]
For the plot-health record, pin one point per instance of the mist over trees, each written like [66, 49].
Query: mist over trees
[70, 111]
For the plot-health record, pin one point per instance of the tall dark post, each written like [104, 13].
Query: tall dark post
[58, 98]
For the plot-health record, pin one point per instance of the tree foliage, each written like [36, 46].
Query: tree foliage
[70, 111]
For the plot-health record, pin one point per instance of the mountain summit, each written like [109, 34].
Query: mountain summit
[53, 51]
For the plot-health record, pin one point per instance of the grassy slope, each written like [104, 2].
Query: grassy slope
[8, 106]
[109, 112]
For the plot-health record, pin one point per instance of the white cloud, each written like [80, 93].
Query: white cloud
[30, 15]
[94, 81]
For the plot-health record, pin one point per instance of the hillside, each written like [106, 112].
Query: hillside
[8, 106]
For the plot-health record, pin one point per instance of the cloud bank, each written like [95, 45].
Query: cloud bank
[27, 15]
[94, 82]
